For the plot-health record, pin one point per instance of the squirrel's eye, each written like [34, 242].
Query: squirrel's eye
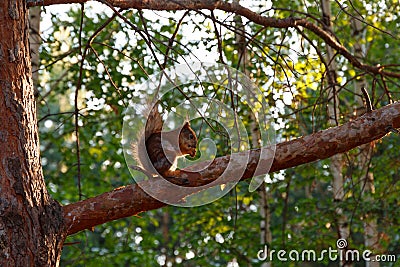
[191, 136]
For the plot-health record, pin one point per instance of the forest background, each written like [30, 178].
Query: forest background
[310, 62]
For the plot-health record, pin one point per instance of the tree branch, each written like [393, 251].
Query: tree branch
[236, 9]
[132, 200]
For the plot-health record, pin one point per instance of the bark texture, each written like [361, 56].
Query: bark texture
[31, 222]
[33, 226]
[131, 200]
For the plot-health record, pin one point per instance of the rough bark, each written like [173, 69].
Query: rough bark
[33, 226]
[31, 223]
[131, 200]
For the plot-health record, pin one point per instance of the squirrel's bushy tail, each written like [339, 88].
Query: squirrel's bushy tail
[153, 124]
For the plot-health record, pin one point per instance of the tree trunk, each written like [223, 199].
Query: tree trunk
[34, 43]
[31, 223]
[243, 64]
[371, 238]
[336, 166]
[33, 226]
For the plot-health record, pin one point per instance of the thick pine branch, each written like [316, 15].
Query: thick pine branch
[131, 200]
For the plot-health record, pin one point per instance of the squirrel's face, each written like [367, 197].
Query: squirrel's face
[187, 140]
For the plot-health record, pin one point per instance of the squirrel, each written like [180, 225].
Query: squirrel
[158, 151]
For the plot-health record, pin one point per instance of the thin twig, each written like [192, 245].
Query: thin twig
[78, 86]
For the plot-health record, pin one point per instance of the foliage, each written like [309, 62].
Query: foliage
[283, 62]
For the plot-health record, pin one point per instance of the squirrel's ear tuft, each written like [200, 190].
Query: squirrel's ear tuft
[187, 124]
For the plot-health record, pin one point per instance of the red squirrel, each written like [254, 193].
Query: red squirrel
[161, 150]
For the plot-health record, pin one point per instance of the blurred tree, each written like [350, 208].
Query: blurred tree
[92, 64]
